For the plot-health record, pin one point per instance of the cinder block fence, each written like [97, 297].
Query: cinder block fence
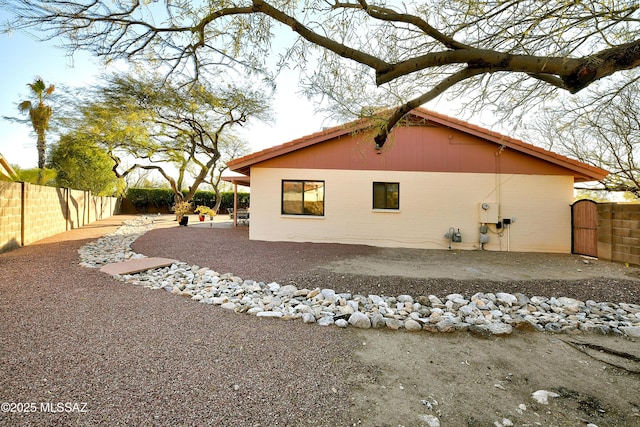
[32, 212]
[619, 232]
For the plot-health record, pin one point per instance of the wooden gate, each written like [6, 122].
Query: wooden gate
[584, 223]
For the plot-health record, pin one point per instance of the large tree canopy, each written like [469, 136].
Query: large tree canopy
[81, 165]
[606, 136]
[181, 131]
[411, 51]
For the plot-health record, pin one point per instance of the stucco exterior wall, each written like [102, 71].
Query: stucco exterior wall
[430, 203]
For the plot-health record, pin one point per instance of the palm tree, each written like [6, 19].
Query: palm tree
[40, 114]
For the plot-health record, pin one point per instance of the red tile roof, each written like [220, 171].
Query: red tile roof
[584, 171]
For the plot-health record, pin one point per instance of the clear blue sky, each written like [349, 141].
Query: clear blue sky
[24, 57]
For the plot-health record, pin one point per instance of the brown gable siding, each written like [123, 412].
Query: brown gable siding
[416, 148]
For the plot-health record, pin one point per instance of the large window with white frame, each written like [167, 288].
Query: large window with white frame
[386, 195]
[302, 197]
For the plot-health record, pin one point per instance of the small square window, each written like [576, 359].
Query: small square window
[386, 195]
[302, 197]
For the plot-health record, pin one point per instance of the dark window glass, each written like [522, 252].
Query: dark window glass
[303, 197]
[386, 195]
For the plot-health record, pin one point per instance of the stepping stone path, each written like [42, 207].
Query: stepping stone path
[136, 265]
[481, 313]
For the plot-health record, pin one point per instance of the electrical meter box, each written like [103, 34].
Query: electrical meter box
[488, 213]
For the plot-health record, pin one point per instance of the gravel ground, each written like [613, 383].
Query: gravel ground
[303, 264]
[70, 334]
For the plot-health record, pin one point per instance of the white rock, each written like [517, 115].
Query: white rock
[341, 323]
[376, 299]
[288, 291]
[405, 298]
[631, 331]
[431, 420]
[269, 314]
[506, 298]
[308, 318]
[377, 321]
[447, 324]
[499, 328]
[219, 300]
[412, 325]
[435, 301]
[393, 323]
[325, 321]
[467, 309]
[329, 294]
[542, 396]
[487, 313]
[360, 320]
[273, 286]
[354, 305]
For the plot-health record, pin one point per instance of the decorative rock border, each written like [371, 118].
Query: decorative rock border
[483, 313]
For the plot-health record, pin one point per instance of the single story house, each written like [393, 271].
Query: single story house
[437, 183]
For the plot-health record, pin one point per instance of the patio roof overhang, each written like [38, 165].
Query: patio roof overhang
[238, 179]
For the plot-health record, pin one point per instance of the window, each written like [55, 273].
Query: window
[386, 195]
[303, 198]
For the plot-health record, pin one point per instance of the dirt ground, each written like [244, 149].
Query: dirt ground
[481, 265]
[422, 379]
[464, 380]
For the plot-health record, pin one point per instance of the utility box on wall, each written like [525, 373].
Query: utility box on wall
[488, 213]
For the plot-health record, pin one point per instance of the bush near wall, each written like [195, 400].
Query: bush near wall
[153, 200]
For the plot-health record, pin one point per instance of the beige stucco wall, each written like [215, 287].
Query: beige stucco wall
[430, 203]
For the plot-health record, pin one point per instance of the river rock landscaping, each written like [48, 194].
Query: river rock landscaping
[483, 313]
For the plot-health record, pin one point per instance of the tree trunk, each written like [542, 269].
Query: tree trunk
[41, 145]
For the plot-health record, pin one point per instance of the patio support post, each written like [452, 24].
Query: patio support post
[235, 204]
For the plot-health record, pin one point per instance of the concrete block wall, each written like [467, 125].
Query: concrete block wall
[44, 212]
[10, 215]
[619, 232]
[29, 213]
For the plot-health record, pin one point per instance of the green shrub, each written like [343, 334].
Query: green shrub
[162, 199]
[145, 198]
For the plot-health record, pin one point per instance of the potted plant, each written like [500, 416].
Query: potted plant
[181, 210]
[202, 211]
